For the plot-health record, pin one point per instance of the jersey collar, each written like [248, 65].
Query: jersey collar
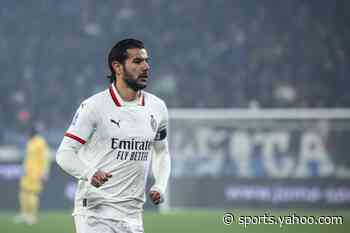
[119, 101]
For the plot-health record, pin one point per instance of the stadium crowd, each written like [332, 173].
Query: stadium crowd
[204, 54]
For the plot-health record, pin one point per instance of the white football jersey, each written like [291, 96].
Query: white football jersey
[117, 137]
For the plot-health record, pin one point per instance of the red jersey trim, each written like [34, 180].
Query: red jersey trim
[76, 138]
[142, 99]
[117, 99]
[114, 97]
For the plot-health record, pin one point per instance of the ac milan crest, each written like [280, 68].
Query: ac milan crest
[153, 123]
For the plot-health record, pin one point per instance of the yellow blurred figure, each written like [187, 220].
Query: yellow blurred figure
[36, 166]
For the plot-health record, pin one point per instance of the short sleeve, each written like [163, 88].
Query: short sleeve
[83, 123]
[162, 130]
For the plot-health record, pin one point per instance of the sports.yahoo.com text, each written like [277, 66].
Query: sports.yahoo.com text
[291, 219]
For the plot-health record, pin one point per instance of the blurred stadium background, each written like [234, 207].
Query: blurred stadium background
[258, 92]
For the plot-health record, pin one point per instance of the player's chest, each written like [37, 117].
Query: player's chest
[129, 122]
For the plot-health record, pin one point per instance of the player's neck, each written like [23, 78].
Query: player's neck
[125, 92]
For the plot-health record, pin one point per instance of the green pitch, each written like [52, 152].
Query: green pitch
[183, 222]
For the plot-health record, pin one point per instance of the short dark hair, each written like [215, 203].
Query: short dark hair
[33, 130]
[119, 53]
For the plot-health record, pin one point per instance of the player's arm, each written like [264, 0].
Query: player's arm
[161, 164]
[42, 159]
[47, 161]
[79, 132]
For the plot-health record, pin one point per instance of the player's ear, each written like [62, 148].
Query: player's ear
[118, 67]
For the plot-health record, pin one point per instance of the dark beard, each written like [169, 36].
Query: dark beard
[132, 83]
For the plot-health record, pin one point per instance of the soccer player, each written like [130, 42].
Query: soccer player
[109, 144]
[35, 172]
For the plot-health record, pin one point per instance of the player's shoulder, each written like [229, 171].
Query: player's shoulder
[38, 141]
[95, 100]
[154, 100]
